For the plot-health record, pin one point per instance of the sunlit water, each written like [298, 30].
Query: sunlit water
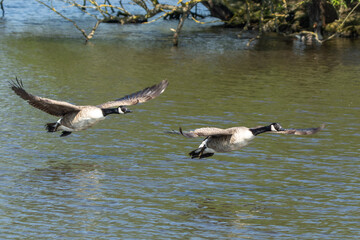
[125, 179]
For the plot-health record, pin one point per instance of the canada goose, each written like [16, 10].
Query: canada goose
[230, 139]
[77, 118]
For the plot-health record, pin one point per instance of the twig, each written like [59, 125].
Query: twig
[83, 9]
[98, 8]
[122, 6]
[110, 5]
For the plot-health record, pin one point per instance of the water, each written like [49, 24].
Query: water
[125, 179]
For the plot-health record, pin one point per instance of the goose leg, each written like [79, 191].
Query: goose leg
[202, 151]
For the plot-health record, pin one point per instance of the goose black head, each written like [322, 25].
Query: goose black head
[276, 127]
[123, 110]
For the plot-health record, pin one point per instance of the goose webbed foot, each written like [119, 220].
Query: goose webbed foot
[65, 133]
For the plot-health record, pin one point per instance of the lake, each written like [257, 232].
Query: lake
[125, 178]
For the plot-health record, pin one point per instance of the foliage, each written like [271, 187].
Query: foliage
[338, 3]
[290, 17]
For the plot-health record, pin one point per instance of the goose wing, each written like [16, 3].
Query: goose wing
[303, 131]
[138, 97]
[207, 131]
[53, 107]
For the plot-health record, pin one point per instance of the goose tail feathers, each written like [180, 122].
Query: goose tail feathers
[51, 127]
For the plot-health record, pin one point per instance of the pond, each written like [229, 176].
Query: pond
[125, 178]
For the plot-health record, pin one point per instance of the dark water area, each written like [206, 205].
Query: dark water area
[126, 179]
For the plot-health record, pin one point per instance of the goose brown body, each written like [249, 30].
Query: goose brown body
[81, 120]
[227, 143]
[223, 140]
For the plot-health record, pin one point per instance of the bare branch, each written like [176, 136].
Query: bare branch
[91, 34]
[83, 9]
[102, 13]
[110, 5]
[87, 37]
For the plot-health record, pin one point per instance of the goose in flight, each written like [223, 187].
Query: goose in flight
[230, 139]
[77, 118]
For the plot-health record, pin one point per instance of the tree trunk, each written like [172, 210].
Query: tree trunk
[178, 29]
[218, 10]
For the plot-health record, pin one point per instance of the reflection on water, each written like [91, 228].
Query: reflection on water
[83, 180]
[124, 178]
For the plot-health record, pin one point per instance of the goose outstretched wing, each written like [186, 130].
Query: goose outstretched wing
[53, 107]
[138, 97]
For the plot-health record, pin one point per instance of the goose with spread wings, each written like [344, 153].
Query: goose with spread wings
[230, 139]
[77, 118]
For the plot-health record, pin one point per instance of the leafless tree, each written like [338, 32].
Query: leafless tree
[106, 12]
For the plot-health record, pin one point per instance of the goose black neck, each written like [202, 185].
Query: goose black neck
[107, 111]
[259, 130]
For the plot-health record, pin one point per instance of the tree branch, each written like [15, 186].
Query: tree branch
[87, 37]
[101, 12]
